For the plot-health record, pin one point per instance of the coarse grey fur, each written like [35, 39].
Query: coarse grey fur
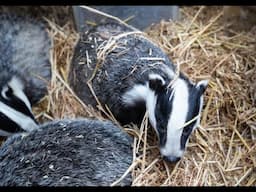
[25, 70]
[132, 76]
[80, 152]
[114, 76]
[25, 53]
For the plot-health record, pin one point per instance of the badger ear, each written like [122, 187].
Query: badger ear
[201, 86]
[156, 82]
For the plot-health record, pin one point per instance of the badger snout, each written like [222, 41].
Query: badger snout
[171, 153]
[172, 159]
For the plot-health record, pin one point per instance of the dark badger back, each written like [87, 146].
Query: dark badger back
[132, 75]
[67, 153]
[24, 70]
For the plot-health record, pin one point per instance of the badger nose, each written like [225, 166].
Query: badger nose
[172, 159]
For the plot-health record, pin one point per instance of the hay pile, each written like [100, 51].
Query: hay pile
[222, 150]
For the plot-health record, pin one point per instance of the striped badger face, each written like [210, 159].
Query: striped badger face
[174, 112]
[15, 109]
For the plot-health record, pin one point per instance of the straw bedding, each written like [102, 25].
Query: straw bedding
[222, 150]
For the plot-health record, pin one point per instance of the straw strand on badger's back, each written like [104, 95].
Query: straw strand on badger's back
[133, 77]
[24, 71]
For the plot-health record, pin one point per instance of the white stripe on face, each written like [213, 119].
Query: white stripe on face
[17, 88]
[151, 105]
[176, 120]
[22, 120]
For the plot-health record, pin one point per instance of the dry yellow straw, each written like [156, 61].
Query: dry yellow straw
[222, 153]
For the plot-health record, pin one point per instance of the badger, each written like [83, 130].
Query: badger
[80, 152]
[125, 71]
[24, 71]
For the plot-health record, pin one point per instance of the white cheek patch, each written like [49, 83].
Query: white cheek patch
[176, 120]
[137, 93]
[142, 93]
[17, 88]
[151, 105]
[22, 120]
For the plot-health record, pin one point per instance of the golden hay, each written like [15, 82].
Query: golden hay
[221, 151]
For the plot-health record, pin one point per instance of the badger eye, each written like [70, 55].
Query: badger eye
[6, 92]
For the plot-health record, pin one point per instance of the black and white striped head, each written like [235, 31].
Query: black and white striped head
[171, 110]
[15, 108]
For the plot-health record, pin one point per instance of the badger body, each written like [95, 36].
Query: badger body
[122, 69]
[133, 76]
[79, 152]
[24, 70]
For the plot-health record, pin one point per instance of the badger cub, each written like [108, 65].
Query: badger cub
[66, 152]
[130, 74]
[24, 71]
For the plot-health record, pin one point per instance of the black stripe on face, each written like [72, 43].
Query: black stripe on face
[193, 111]
[8, 125]
[17, 104]
[162, 113]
